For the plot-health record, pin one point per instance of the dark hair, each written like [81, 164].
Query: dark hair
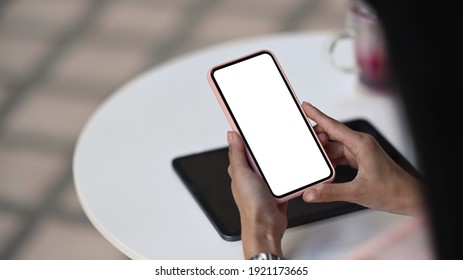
[425, 49]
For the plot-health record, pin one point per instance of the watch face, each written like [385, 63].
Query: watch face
[266, 256]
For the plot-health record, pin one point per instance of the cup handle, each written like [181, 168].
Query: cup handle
[343, 35]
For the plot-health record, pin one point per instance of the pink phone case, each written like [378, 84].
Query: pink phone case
[235, 129]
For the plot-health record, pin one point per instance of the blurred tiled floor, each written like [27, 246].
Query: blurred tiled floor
[59, 59]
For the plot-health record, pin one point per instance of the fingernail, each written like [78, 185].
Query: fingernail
[229, 137]
[305, 103]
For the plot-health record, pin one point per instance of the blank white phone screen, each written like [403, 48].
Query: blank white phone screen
[271, 123]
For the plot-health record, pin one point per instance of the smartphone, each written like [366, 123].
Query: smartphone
[260, 105]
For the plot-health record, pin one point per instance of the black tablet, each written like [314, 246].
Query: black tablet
[205, 176]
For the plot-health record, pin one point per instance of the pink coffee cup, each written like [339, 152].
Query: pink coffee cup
[371, 56]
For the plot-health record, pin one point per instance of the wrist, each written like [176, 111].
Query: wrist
[409, 200]
[260, 239]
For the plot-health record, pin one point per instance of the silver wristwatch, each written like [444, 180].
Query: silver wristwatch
[266, 256]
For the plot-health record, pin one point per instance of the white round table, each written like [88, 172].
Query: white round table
[122, 161]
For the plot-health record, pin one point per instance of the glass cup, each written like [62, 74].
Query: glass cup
[371, 56]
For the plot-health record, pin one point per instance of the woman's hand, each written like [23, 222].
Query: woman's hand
[380, 182]
[263, 221]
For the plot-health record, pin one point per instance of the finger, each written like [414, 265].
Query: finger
[236, 151]
[321, 134]
[334, 150]
[339, 153]
[335, 129]
[323, 138]
[330, 192]
[318, 129]
[342, 162]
